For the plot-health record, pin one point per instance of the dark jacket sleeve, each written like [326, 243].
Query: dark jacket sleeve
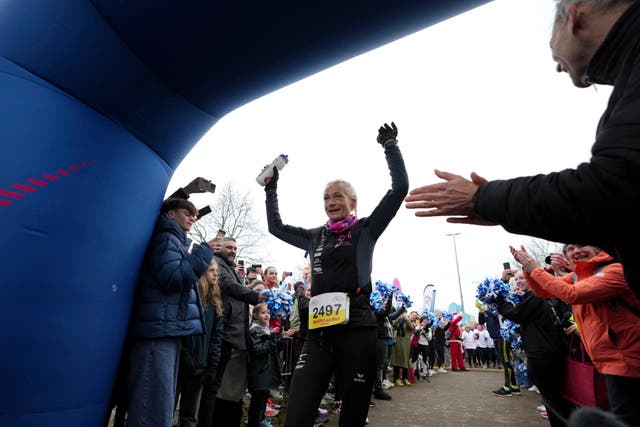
[215, 345]
[386, 311]
[391, 202]
[230, 286]
[393, 316]
[595, 203]
[299, 237]
[179, 194]
[172, 268]
[482, 318]
[523, 312]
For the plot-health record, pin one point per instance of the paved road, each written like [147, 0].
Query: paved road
[455, 399]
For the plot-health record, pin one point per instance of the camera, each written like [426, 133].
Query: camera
[288, 273]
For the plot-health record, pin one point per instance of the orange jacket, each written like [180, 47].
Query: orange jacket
[609, 330]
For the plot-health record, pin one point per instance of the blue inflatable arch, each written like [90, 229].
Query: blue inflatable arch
[100, 101]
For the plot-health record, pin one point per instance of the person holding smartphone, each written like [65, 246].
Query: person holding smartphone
[342, 333]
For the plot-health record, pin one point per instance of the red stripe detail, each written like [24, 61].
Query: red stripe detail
[22, 187]
[11, 194]
[4, 202]
[74, 168]
[62, 172]
[37, 182]
[50, 177]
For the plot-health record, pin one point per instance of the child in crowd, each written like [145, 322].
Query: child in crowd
[264, 366]
[200, 354]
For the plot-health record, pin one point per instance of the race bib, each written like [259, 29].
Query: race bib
[328, 309]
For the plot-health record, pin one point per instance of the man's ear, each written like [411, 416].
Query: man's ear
[172, 214]
[575, 18]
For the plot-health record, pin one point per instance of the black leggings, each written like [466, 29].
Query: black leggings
[350, 353]
[549, 374]
[257, 407]
[503, 349]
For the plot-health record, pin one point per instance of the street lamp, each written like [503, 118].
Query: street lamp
[455, 251]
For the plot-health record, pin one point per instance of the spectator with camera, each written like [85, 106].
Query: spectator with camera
[167, 307]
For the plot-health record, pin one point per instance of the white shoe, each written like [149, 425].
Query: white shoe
[534, 388]
[441, 370]
[275, 394]
[541, 408]
[430, 372]
[386, 384]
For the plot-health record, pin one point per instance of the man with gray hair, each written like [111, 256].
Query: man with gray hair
[594, 42]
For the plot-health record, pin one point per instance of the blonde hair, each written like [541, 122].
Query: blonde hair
[210, 293]
[349, 190]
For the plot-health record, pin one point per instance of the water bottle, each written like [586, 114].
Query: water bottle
[267, 172]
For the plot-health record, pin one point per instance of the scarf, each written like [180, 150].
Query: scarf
[342, 225]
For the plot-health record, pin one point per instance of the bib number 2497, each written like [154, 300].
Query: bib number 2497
[328, 309]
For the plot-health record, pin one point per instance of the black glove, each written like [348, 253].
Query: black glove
[272, 185]
[387, 135]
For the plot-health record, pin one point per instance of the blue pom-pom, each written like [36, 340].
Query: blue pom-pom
[403, 300]
[279, 302]
[386, 290]
[376, 301]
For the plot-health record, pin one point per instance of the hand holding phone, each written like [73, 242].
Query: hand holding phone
[205, 185]
[203, 211]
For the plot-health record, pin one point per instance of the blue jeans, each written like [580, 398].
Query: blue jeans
[153, 379]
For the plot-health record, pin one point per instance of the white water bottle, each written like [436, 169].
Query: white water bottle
[267, 172]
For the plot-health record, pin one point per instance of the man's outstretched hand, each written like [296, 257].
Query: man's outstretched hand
[452, 198]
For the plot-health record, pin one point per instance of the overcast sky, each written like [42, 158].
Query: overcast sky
[478, 92]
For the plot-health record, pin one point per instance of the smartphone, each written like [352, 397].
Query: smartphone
[206, 185]
[203, 211]
[288, 273]
[506, 266]
[221, 233]
[241, 261]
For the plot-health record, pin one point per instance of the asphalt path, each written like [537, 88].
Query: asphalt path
[455, 399]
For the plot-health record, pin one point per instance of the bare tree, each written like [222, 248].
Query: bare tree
[233, 213]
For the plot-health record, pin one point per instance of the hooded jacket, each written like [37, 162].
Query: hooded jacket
[603, 310]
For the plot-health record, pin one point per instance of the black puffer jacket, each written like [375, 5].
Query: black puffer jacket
[597, 203]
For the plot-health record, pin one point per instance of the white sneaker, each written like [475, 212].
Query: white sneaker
[386, 384]
[430, 372]
[534, 388]
[541, 408]
[441, 370]
[275, 394]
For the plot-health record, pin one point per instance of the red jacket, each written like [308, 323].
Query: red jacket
[609, 330]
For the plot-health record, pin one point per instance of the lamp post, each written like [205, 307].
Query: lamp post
[455, 252]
